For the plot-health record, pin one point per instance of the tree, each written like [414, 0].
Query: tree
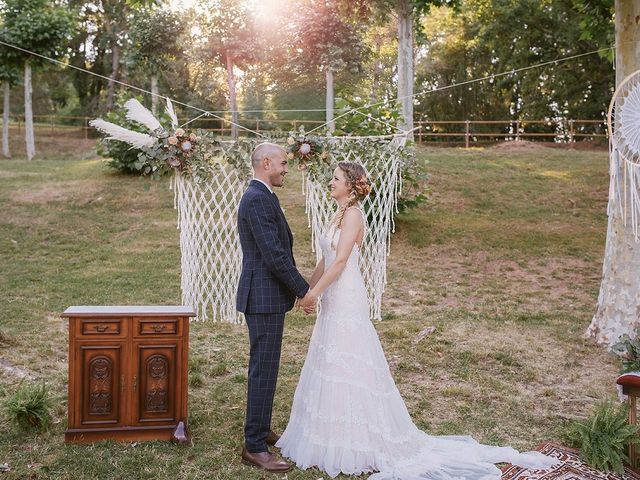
[9, 74]
[230, 40]
[619, 298]
[155, 40]
[408, 14]
[469, 43]
[324, 41]
[40, 27]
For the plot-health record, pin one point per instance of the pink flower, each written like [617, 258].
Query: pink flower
[173, 162]
[173, 140]
[192, 137]
[179, 132]
[305, 148]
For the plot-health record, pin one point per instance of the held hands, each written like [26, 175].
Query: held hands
[308, 303]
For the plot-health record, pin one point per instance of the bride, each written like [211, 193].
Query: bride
[347, 414]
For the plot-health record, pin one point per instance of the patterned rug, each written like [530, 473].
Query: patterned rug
[571, 468]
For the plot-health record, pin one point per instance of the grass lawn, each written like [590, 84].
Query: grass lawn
[504, 261]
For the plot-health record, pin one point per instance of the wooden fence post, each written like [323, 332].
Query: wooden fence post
[466, 134]
[572, 138]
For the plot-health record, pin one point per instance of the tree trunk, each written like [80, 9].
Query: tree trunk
[5, 120]
[331, 126]
[377, 69]
[231, 79]
[618, 309]
[405, 63]
[28, 113]
[154, 96]
[115, 63]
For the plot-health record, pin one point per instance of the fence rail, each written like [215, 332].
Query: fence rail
[467, 132]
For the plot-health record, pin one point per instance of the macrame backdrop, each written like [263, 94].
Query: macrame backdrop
[381, 159]
[211, 257]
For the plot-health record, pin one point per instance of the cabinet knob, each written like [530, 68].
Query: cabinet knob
[158, 327]
[101, 328]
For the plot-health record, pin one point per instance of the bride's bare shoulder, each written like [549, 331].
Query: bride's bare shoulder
[352, 217]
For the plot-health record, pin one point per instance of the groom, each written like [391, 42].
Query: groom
[269, 285]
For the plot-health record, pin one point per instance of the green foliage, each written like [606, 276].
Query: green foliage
[414, 191]
[205, 156]
[380, 120]
[374, 120]
[323, 39]
[36, 25]
[628, 350]
[230, 33]
[604, 437]
[471, 44]
[596, 23]
[29, 407]
[121, 156]
[155, 39]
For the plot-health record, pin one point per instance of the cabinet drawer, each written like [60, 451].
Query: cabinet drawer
[102, 327]
[156, 326]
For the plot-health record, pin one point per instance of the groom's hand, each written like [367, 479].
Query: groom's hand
[308, 302]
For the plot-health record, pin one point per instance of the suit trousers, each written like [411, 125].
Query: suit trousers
[265, 339]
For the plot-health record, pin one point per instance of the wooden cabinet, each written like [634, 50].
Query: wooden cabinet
[128, 373]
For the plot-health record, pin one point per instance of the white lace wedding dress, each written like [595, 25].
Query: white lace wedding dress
[347, 414]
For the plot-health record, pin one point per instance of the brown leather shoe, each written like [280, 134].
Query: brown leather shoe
[272, 438]
[265, 460]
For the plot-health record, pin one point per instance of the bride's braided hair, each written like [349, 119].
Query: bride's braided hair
[358, 184]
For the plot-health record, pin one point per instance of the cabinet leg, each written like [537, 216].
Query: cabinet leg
[181, 434]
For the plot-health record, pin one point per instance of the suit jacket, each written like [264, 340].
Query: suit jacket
[269, 281]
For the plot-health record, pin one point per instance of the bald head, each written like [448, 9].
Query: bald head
[266, 150]
[269, 163]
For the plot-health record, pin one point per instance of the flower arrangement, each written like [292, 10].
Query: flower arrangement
[309, 151]
[196, 154]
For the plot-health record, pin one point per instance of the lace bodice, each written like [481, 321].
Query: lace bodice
[348, 291]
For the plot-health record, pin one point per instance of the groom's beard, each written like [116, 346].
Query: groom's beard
[277, 180]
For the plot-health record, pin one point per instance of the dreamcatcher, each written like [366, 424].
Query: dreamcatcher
[624, 144]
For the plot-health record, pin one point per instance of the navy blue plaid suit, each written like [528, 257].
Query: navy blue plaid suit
[269, 284]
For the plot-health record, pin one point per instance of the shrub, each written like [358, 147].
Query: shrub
[604, 436]
[29, 407]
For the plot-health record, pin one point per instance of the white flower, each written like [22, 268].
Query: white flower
[193, 137]
[305, 148]
[291, 141]
[290, 156]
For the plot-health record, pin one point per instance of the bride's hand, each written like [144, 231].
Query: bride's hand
[309, 300]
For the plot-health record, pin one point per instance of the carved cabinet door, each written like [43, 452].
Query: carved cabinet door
[102, 383]
[156, 388]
